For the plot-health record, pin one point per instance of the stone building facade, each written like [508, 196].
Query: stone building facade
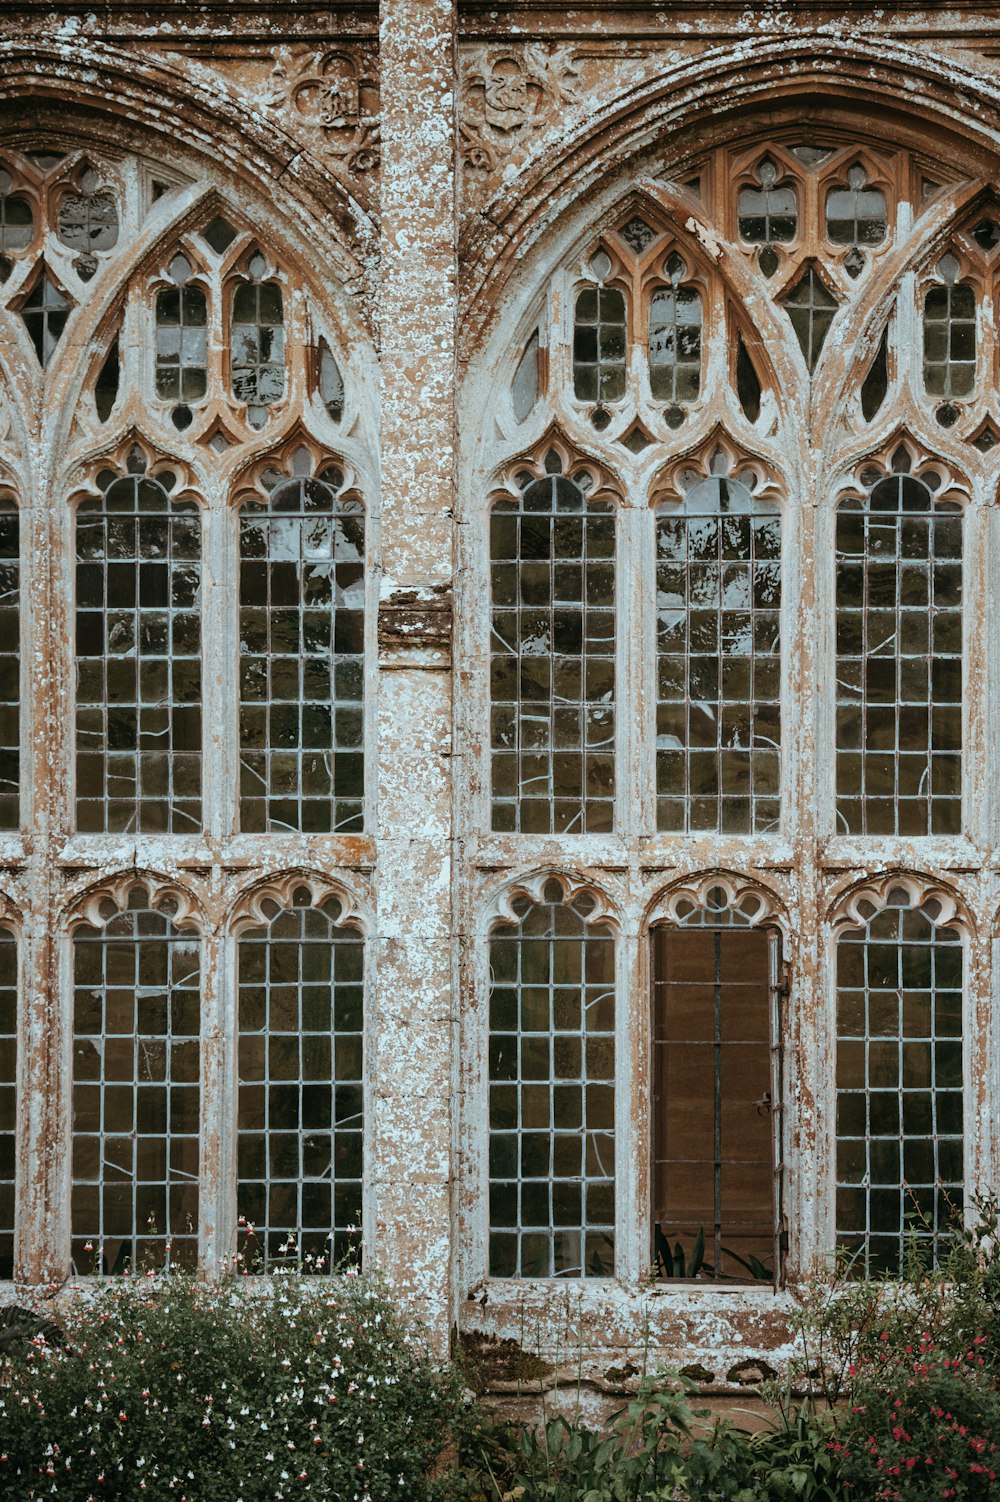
[498, 651]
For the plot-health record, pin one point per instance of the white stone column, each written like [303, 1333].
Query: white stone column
[411, 1049]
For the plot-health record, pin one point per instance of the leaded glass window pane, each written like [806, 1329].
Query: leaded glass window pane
[136, 1094]
[899, 1087]
[599, 345]
[899, 662]
[138, 647]
[181, 343]
[856, 214]
[768, 214]
[950, 339]
[8, 1098]
[301, 1093]
[718, 716]
[552, 1096]
[811, 307]
[302, 617]
[44, 312]
[258, 344]
[552, 660]
[10, 666]
[675, 320]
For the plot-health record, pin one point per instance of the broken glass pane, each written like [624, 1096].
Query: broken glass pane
[88, 221]
[637, 234]
[552, 660]
[876, 382]
[258, 344]
[718, 591]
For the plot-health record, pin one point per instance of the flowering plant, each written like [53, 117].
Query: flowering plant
[170, 1389]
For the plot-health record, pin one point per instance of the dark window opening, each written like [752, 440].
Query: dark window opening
[716, 1160]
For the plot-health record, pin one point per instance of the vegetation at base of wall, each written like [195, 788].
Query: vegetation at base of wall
[169, 1389]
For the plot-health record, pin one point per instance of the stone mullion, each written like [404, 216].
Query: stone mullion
[410, 1035]
[44, 1066]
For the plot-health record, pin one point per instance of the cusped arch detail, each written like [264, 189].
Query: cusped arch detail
[556, 455]
[100, 901]
[714, 85]
[864, 898]
[592, 901]
[737, 898]
[258, 905]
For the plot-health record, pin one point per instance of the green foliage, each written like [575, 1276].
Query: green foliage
[174, 1390]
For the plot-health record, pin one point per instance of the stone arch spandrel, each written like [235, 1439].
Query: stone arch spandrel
[716, 85]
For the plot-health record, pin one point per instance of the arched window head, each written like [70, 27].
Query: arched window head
[181, 341]
[302, 615]
[552, 1095]
[257, 353]
[675, 320]
[136, 1092]
[899, 657]
[900, 1156]
[138, 649]
[87, 220]
[552, 658]
[718, 604]
[301, 1089]
[949, 336]
[599, 337]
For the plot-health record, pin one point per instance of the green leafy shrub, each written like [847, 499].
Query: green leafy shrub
[169, 1388]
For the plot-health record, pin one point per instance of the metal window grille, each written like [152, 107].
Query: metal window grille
[552, 1095]
[552, 660]
[718, 715]
[10, 660]
[811, 308]
[302, 598]
[301, 1094]
[717, 1100]
[599, 345]
[138, 646]
[675, 319]
[899, 1086]
[136, 1095]
[899, 662]
[950, 340]
[8, 1098]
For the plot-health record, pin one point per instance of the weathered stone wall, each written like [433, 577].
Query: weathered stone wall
[424, 166]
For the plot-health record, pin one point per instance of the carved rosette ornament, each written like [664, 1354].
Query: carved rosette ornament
[509, 93]
[334, 95]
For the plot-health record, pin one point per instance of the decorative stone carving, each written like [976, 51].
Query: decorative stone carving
[509, 92]
[510, 904]
[102, 901]
[258, 906]
[856, 907]
[693, 900]
[334, 93]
